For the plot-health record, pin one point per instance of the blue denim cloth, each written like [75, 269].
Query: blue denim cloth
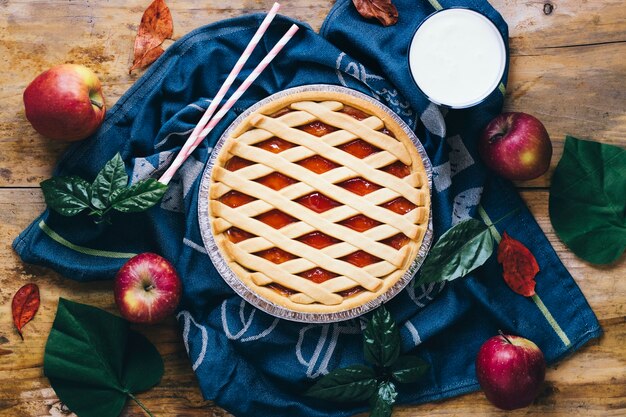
[247, 361]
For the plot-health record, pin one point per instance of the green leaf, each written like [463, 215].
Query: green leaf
[408, 369]
[111, 178]
[458, 252]
[355, 383]
[94, 362]
[588, 200]
[67, 196]
[71, 195]
[383, 401]
[381, 339]
[138, 197]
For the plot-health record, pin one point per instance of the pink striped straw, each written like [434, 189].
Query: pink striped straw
[184, 153]
[247, 82]
[189, 146]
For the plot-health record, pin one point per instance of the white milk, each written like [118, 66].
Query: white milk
[457, 57]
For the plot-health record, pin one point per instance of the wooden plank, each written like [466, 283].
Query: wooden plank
[535, 25]
[568, 69]
[36, 35]
[577, 90]
[573, 91]
[593, 380]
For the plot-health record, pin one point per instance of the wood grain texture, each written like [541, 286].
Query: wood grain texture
[567, 67]
[593, 380]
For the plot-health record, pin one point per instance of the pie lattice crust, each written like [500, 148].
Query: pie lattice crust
[242, 201]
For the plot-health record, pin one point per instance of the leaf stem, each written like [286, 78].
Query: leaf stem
[139, 403]
[105, 212]
[510, 213]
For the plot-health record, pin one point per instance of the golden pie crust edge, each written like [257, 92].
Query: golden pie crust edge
[364, 297]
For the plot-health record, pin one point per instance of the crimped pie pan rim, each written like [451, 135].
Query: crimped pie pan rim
[239, 286]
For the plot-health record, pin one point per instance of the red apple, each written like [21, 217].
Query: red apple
[65, 102]
[147, 289]
[516, 146]
[510, 371]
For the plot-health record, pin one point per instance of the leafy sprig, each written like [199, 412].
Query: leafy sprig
[72, 195]
[357, 383]
[459, 251]
[463, 248]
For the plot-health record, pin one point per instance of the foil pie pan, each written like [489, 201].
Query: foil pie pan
[243, 290]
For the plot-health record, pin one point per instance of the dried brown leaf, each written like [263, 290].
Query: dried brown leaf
[156, 26]
[24, 306]
[383, 10]
[148, 58]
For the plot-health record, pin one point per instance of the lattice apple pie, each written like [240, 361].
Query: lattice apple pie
[319, 201]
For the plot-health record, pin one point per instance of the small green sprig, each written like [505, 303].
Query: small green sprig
[377, 384]
[460, 250]
[72, 195]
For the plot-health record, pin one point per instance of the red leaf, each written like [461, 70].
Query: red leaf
[519, 265]
[156, 26]
[383, 10]
[24, 306]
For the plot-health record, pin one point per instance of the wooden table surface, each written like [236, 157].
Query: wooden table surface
[568, 67]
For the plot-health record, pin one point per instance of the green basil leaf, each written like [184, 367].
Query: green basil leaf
[460, 250]
[381, 339]
[383, 401]
[355, 383]
[588, 200]
[67, 196]
[138, 197]
[94, 362]
[112, 177]
[408, 369]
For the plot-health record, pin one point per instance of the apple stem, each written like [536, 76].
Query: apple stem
[96, 103]
[135, 399]
[505, 338]
[496, 137]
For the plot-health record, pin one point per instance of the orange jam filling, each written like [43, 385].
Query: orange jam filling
[319, 202]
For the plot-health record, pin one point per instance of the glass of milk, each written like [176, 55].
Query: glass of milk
[457, 57]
